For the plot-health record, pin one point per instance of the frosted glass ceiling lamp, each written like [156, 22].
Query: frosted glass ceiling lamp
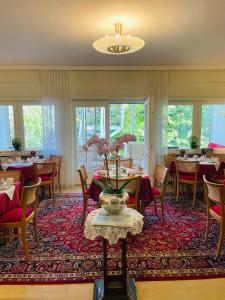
[118, 44]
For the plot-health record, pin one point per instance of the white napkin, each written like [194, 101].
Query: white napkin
[9, 191]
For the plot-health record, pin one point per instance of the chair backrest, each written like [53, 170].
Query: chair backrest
[214, 192]
[220, 156]
[127, 163]
[10, 174]
[83, 178]
[168, 158]
[160, 177]
[45, 168]
[5, 159]
[187, 167]
[133, 187]
[58, 160]
[29, 197]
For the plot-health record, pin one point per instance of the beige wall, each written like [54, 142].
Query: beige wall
[190, 85]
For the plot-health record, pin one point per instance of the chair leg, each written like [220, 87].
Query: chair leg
[194, 194]
[53, 193]
[59, 184]
[174, 185]
[207, 226]
[221, 238]
[84, 211]
[177, 191]
[35, 230]
[24, 242]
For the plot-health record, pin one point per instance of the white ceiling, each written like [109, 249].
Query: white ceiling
[57, 32]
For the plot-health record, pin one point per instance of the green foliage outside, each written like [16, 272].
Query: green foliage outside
[33, 127]
[179, 125]
[127, 118]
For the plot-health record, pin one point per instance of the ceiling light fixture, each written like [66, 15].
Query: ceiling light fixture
[118, 44]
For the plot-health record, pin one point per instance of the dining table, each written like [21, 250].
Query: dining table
[145, 193]
[206, 167]
[26, 169]
[6, 203]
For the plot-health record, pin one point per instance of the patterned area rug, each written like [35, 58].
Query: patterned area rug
[173, 249]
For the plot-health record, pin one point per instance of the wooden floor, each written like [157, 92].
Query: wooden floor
[211, 289]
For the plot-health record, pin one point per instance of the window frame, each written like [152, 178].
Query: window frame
[197, 113]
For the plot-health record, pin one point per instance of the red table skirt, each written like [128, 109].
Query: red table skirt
[208, 170]
[145, 190]
[26, 172]
[6, 204]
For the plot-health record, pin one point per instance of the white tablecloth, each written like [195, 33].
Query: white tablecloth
[112, 233]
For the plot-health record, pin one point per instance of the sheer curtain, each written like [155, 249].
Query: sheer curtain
[58, 120]
[158, 96]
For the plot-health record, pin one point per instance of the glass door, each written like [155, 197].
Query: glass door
[89, 120]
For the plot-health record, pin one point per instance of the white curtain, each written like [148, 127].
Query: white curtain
[58, 120]
[158, 95]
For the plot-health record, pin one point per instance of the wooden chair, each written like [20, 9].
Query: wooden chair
[46, 171]
[10, 174]
[215, 200]
[187, 172]
[133, 189]
[5, 159]
[159, 186]
[220, 156]
[126, 163]
[168, 159]
[58, 161]
[85, 190]
[19, 217]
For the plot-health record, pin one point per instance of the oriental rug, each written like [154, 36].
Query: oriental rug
[173, 249]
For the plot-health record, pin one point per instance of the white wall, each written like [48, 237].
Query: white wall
[189, 85]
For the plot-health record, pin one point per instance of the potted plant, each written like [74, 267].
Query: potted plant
[17, 144]
[193, 142]
[113, 198]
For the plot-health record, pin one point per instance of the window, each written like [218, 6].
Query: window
[127, 118]
[213, 124]
[179, 125]
[89, 121]
[33, 127]
[6, 126]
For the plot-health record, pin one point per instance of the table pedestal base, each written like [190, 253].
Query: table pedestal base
[115, 292]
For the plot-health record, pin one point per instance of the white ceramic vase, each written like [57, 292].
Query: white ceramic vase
[113, 204]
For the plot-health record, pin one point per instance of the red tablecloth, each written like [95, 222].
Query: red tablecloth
[7, 204]
[145, 190]
[205, 169]
[26, 172]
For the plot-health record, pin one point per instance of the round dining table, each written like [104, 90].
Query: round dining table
[145, 187]
[207, 168]
[26, 169]
[6, 203]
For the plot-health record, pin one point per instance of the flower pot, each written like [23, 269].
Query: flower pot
[113, 204]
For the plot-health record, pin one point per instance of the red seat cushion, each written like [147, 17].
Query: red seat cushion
[220, 177]
[14, 215]
[87, 191]
[217, 208]
[155, 191]
[189, 177]
[131, 199]
[45, 178]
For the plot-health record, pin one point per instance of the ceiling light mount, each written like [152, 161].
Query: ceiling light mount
[118, 44]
